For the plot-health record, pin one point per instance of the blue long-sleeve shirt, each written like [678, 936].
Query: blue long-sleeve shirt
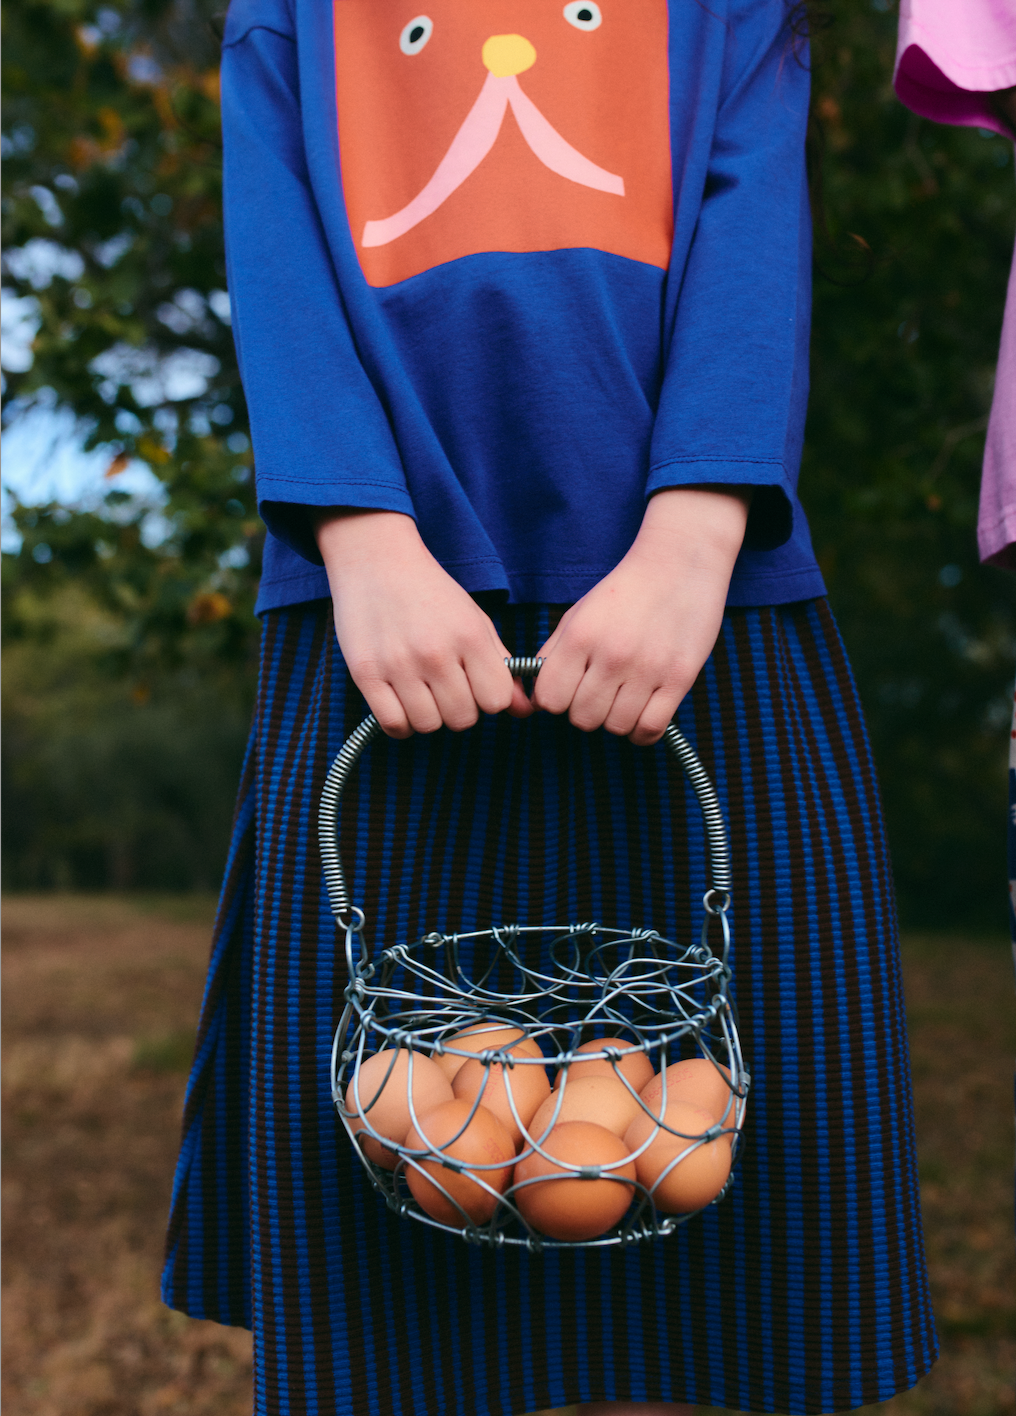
[511, 268]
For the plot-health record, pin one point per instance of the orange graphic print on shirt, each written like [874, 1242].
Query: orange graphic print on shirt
[502, 125]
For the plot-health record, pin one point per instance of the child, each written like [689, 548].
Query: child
[521, 300]
[959, 66]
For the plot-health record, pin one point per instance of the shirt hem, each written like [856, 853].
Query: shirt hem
[761, 588]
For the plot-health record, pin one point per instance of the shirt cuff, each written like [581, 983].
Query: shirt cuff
[286, 508]
[771, 517]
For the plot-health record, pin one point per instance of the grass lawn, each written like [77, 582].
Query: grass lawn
[100, 1002]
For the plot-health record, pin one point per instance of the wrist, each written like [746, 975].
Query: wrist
[349, 536]
[701, 525]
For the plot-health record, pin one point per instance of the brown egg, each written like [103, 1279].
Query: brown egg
[389, 1112]
[529, 1088]
[604, 1100]
[695, 1080]
[479, 1038]
[636, 1066]
[574, 1208]
[694, 1181]
[484, 1142]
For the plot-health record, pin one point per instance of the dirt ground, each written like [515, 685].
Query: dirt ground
[100, 1000]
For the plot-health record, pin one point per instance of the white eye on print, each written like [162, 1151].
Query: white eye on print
[583, 14]
[415, 35]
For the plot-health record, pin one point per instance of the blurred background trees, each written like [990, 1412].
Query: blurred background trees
[130, 642]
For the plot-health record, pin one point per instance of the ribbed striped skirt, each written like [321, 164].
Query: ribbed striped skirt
[804, 1290]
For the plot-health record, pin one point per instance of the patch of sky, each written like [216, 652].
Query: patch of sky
[186, 312]
[235, 558]
[39, 260]
[48, 205]
[44, 461]
[18, 141]
[168, 424]
[154, 378]
[107, 253]
[143, 69]
[19, 324]
[218, 301]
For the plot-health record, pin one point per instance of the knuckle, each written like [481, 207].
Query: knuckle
[431, 659]
[459, 719]
[615, 661]
[364, 671]
[585, 720]
[494, 702]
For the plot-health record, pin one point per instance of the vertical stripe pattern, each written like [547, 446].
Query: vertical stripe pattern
[804, 1290]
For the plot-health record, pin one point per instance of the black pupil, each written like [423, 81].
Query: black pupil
[415, 33]
[584, 15]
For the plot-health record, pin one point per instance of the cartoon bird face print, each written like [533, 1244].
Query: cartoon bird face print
[502, 125]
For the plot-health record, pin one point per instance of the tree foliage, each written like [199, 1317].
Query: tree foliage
[112, 205]
[907, 319]
[112, 224]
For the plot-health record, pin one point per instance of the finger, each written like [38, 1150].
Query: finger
[419, 705]
[559, 678]
[521, 706]
[656, 716]
[454, 698]
[489, 680]
[630, 702]
[595, 697]
[383, 702]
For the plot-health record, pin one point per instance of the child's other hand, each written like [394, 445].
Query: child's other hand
[625, 655]
[420, 650]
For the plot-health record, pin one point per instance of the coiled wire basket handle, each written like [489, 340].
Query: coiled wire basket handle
[349, 916]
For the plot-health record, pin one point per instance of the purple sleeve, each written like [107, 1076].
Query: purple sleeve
[951, 54]
[996, 519]
[949, 57]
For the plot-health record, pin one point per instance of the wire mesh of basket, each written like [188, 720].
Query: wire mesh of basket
[544, 996]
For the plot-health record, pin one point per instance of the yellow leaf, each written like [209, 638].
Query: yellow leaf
[208, 607]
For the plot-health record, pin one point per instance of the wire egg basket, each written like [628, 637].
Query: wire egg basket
[556, 986]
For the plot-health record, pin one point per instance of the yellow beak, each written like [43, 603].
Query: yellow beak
[507, 54]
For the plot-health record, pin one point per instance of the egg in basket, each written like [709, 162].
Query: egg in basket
[541, 1085]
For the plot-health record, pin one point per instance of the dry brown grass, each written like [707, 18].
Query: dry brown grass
[100, 1001]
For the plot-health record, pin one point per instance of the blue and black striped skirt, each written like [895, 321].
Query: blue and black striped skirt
[804, 1290]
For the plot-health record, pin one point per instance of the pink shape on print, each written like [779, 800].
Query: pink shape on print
[473, 142]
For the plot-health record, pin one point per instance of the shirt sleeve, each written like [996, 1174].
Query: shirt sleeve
[735, 386]
[320, 433]
[950, 56]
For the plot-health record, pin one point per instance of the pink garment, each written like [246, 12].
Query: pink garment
[996, 516]
[950, 54]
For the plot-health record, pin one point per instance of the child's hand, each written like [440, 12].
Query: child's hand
[625, 655]
[420, 650]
